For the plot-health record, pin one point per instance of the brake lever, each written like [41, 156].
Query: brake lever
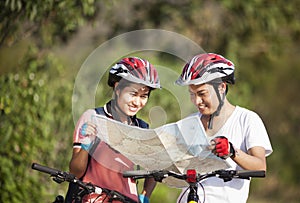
[160, 175]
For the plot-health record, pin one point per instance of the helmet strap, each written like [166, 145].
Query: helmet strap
[221, 103]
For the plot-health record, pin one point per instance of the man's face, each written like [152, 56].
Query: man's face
[204, 98]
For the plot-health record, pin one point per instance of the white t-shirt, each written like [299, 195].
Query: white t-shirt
[244, 129]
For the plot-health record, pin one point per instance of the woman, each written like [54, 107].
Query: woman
[132, 80]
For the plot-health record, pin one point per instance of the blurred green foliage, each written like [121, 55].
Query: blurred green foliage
[42, 45]
[48, 20]
[34, 127]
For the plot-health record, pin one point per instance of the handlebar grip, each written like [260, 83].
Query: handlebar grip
[44, 169]
[249, 173]
[130, 174]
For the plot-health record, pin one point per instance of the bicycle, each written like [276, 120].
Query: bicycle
[193, 178]
[84, 187]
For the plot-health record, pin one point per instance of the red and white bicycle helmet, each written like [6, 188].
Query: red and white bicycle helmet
[136, 70]
[207, 68]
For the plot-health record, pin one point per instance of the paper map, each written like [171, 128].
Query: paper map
[176, 146]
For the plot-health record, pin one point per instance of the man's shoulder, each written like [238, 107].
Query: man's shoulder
[245, 112]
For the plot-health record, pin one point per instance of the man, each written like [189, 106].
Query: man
[237, 134]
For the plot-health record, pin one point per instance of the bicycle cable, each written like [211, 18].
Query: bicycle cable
[188, 188]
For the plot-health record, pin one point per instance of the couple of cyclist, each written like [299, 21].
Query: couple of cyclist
[237, 134]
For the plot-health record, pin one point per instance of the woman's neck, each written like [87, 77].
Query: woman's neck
[119, 115]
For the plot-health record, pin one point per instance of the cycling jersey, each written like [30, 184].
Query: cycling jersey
[106, 172]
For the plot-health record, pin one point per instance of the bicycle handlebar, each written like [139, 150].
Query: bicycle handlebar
[250, 174]
[226, 175]
[158, 175]
[193, 178]
[61, 176]
[44, 169]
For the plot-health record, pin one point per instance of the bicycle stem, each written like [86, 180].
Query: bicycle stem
[193, 195]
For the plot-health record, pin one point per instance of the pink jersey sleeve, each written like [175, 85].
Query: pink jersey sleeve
[85, 117]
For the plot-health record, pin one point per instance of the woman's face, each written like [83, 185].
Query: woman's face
[132, 98]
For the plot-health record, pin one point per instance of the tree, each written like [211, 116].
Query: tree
[48, 21]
